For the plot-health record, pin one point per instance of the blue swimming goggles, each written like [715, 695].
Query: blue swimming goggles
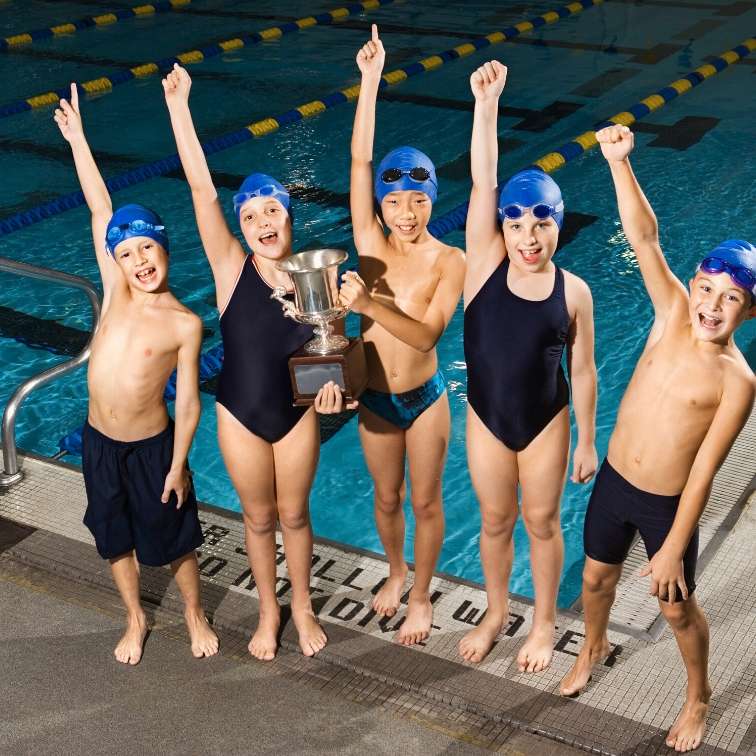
[540, 211]
[741, 276]
[136, 227]
[267, 190]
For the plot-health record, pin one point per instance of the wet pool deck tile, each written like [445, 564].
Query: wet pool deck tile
[636, 692]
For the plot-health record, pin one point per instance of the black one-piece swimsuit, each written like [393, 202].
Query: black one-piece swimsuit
[254, 383]
[513, 349]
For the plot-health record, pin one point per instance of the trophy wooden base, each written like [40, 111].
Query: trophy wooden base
[310, 372]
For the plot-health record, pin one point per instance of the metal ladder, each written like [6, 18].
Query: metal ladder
[11, 473]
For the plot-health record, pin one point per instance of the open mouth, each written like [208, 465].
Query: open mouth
[531, 255]
[406, 228]
[270, 237]
[708, 321]
[146, 275]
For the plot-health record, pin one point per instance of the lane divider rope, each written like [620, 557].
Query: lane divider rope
[23, 39]
[105, 84]
[269, 125]
[455, 219]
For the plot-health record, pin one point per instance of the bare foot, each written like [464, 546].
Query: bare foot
[687, 731]
[129, 648]
[417, 624]
[264, 643]
[477, 644]
[535, 655]
[386, 601]
[312, 637]
[204, 640]
[575, 681]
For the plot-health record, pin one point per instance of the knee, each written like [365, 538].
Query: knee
[294, 519]
[498, 525]
[389, 501]
[260, 522]
[426, 507]
[541, 526]
[678, 615]
[596, 582]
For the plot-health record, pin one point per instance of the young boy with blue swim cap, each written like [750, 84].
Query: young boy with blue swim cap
[688, 399]
[141, 504]
[521, 313]
[407, 290]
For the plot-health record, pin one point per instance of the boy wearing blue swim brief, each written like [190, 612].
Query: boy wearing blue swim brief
[140, 500]
[407, 289]
[688, 399]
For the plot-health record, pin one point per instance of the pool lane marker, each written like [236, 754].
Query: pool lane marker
[105, 84]
[268, 125]
[455, 219]
[103, 19]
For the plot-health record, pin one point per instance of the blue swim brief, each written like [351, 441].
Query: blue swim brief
[124, 482]
[403, 409]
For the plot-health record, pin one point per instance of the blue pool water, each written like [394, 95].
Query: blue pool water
[592, 62]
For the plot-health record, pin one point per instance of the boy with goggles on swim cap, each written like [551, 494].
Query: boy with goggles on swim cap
[141, 504]
[269, 446]
[521, 313]
[407, 290]
[688, 399]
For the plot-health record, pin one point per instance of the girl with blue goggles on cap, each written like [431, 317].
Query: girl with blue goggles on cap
[406, 291]
[269, 446]
[521, 313]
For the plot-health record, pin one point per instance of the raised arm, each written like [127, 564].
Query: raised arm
[68, 118]
[639, 221]
[483, 237]
[366, 227]
[582, 368]
[187, 409]
[666, 567]
[222, 248]
[423, 334]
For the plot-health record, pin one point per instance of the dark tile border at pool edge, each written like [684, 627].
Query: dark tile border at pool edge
[447, 682]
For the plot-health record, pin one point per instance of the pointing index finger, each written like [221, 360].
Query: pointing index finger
[374, 32]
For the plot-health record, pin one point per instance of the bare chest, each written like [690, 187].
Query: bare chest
[408, 282]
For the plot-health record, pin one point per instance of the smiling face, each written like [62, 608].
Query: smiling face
[144, 263]
[266, 227]
[530, 242]
[718, 306]
[406, 213]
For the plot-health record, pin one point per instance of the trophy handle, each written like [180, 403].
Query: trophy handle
[289, 310]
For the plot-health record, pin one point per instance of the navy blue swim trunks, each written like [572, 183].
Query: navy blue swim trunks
[617, 510]
[124, 482]
[403, 409]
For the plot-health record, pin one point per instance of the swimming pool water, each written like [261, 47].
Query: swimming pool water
[701, 194]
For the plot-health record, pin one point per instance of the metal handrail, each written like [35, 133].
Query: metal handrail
[11, 474]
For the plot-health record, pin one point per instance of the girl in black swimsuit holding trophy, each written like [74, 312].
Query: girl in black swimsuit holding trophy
[270, 448]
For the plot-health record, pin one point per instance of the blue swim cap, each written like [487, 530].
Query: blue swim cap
[403, 160]
[739, 260]
[531, 188]
[261, 185]
[134, 220]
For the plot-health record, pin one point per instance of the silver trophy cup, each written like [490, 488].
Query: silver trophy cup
[315, 275]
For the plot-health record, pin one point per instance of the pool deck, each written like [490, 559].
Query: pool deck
[634, 696]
